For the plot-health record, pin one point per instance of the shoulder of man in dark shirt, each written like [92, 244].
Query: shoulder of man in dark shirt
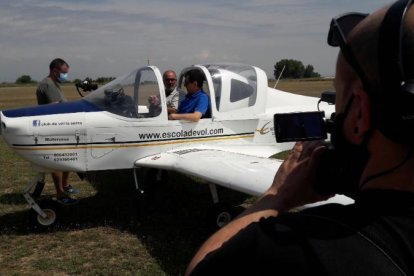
[309, 241]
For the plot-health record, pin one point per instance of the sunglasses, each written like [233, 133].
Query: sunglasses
[339, 30]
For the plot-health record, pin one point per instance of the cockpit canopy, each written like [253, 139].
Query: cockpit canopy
[235, 86]
[233, 89]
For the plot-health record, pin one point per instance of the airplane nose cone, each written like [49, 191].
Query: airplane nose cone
[7, 126]
[2, 124]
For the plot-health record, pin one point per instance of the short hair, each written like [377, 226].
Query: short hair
[195, 75]
[164, 76]
[57, 63]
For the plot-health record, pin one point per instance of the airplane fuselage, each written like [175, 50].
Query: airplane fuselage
[98, 140]
[116, 125]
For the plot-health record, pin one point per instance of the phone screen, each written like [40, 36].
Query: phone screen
[299, 126]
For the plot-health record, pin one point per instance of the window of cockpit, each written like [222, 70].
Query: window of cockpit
[234, 87]
[116, 97]
[147, 94]
[135, 95]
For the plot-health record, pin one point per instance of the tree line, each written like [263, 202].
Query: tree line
[26, 79]
[285, 69]
[293, 69]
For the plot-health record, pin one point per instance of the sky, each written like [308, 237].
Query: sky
[111, 37]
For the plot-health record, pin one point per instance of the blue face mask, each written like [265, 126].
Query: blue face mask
[63, 77]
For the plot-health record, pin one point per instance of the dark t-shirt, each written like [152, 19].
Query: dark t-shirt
[374, 236]
[49, 92]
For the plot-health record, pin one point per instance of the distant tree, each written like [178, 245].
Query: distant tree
[293, 69]
[102, 80]
[76, 81]
[309, 72]
[24, 79]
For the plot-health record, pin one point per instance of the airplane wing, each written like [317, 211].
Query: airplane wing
[241, 172]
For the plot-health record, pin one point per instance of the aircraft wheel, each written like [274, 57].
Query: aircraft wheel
[221, 215]
[51, 209]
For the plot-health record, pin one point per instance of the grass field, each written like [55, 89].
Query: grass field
[110, 231]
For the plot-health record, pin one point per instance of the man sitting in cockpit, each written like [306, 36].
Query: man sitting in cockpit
[196, 104]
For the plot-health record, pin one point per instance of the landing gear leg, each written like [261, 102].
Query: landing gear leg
[140, 191]
[142, 201]
[44, 214]
[221, 213]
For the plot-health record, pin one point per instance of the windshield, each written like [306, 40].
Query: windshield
[116, 96]
[133, 95]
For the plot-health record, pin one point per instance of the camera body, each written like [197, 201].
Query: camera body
[85, 86]
[304, 126]
[333, 171]
[300, 126]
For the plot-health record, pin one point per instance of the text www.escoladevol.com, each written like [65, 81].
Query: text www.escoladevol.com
[181, 134]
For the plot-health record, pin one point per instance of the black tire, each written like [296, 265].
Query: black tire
[221, 214]
[53, 212]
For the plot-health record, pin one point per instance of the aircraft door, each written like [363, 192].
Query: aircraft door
[149, 95]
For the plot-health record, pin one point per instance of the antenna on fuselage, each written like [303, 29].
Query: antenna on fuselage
[280, 75]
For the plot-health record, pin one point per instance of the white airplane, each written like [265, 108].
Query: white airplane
[115, 127]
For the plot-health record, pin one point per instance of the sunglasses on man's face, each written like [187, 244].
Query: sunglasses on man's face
[341, 26]
[339, 30]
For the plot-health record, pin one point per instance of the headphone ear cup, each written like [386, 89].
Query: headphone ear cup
[394, 117]
[393, 106]
[408, 87]
[406, 110]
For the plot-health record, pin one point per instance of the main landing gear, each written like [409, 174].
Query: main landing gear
[220, 213]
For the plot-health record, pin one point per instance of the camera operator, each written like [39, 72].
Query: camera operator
[373, 125]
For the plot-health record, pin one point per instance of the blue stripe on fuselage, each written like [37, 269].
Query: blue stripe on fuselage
[55, 108]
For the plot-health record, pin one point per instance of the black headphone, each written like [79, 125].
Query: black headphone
[393, 107]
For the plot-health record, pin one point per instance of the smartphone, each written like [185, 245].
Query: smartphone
[299, 126]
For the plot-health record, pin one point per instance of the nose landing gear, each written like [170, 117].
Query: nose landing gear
[49, 215]
[46, 212]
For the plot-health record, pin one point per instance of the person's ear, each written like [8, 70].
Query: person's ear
[361, 114]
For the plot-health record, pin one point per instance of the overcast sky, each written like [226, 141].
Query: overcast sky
[111, 37]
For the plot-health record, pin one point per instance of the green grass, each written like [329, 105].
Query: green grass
[313, 87]
[110, 231]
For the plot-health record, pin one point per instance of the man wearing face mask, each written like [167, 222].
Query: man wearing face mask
[372, 159]
[48, 92]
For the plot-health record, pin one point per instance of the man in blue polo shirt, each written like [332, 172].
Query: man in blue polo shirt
[196, 104]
